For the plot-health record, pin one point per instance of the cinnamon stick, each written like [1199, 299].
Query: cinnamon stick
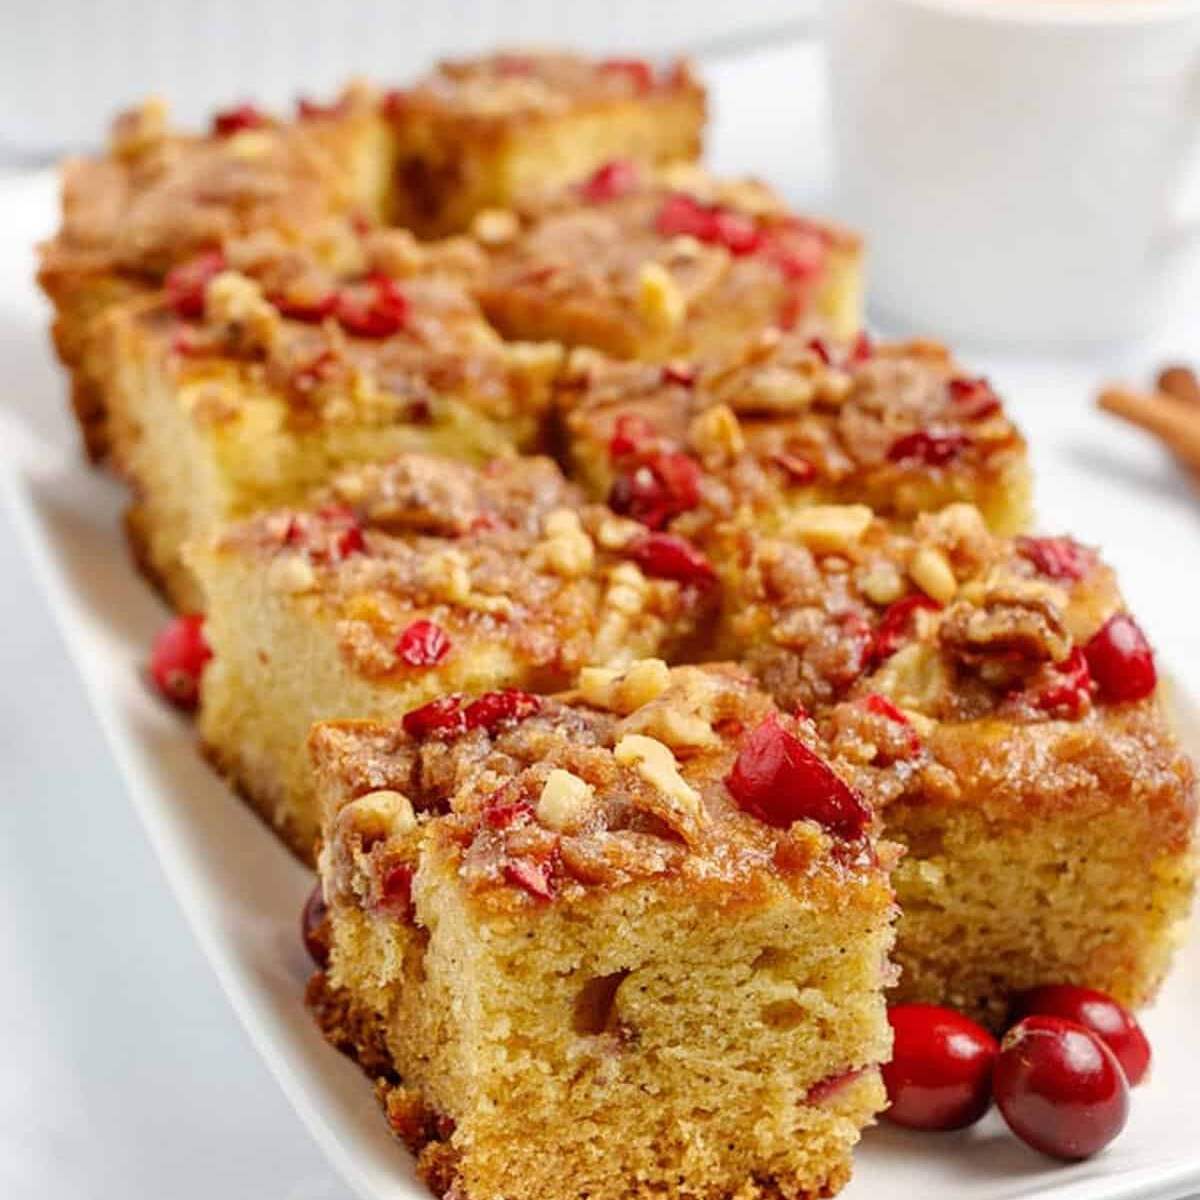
[1169, 418]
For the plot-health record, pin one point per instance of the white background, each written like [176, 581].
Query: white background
[124, 1073]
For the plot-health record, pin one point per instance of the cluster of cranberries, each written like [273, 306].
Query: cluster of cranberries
[374, 307]
[1060, 1075]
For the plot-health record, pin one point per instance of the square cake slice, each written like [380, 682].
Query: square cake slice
[787, 421]
[159, 197]
[405, 581]
[482, 133]
[630, 941]
[251, 387]
[1003, 710]
[657, 265]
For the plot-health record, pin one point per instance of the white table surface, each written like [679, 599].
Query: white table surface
[127, 1075]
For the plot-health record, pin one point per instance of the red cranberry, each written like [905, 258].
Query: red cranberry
[242, 116]
[973, 399]
[504, 814]
[735, 231]
[1121, 661]
[666, 556]
[820, 347]
[682, 215]
[940, 1076]
[1056, 557]
[1060, 1088]
[799, 251]
[932, 449]
[1110, 1021]
[610, 181]
[897, 623]
[380, 312]
[533, 876]
[423, 644]
[778, 779]
[881, 706]
[314, 926]
[630, 434]
[514, 64]
[826, 1089]
[349, 541]
[185, 285]
[861, 348]
[493, 709]
[657, 489]
[440, 718]
[1068, 695]
[178, 658]
[636, 70]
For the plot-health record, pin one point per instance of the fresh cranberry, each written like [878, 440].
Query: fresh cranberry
[896, 624]
[493, 709]
[778, 779]
[310, 309]
[682, 215]
[185, 285]
[533, 876]
[639, 72]
[799, 251]
[794, 306]
[973, 399]
[657, 489]
[826, 1089]
[679, 373]
[940, 1075]
[440, 718]
[610, 181]
[395, 889]
[1068, 695]
[1121, 661]
[314, 926]
[932, 449]
[309, 376]
[423, 644]
[380, 312]
[178, 658]
[1056, 557]
[1110, 1021]
[798, 469]
[349, 541]
[630, 434]
[1059, 1087]
[666, 556]
[242, 116]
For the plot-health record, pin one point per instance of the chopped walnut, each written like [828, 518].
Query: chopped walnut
[566, 549]
[830, 528]
[140, 129]
[446, 573]
[932, 573]
[716, 434]
[495, 226]
[660, 302]
[564, 801]
[291, 573]
[624, 691]
[655, 763]
[236, 306]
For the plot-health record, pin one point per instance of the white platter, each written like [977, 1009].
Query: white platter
[242, 893]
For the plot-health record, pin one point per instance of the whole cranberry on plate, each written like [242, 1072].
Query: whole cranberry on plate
[178, 658]
[940, 1076]
[1110, 1021]
[1060, 1088]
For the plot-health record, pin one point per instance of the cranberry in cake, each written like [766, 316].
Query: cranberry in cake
[1048, 814]
[484, 132]
[785, 421]
[634, 936]
[656, 265]
[252, 378]
[402, 583]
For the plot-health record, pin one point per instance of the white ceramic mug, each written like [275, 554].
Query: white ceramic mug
[1018, 166]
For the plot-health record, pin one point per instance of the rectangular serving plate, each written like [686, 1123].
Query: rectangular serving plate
[242, 893]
